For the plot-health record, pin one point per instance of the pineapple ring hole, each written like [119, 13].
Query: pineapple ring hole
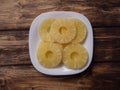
[48, 30]
[62, 30]
[74, 55]
[49, 54]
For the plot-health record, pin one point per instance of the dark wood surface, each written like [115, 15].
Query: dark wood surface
[16, 70]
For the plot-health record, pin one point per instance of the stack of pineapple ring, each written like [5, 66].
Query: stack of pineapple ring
[62, 43]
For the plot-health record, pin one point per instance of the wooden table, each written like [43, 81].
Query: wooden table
[16, 70]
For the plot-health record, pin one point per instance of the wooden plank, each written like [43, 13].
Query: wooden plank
[106, 44]
[100, 76]
[16, 14]
[14, 48]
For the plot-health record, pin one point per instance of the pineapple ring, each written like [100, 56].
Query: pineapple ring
[44, 29]
[63, 30]
[49, 54]
[74, 56]
[81, 30]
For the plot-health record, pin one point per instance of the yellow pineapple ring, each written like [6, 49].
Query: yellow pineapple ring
[80, 29]
[49, 54]
[44, 29]
[63, 30]
[74, 56]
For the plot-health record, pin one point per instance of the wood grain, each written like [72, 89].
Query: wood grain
[14, 48]
[27, 78]
[16, 70]
[18, 14]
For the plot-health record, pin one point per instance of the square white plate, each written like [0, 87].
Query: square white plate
[34, 39]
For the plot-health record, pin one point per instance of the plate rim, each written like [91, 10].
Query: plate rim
[56, 74]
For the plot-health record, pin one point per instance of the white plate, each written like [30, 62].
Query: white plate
[34, 39]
